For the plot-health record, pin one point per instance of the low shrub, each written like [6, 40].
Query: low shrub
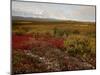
[80, 45]
[76, 32]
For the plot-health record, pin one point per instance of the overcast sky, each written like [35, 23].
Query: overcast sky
[56, 11]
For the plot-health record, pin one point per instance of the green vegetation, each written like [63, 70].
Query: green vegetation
[53, 46]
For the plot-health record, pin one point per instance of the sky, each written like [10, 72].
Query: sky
[53, 11]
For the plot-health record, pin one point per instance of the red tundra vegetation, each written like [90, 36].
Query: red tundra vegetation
[53, 47]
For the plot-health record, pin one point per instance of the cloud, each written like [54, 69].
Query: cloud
[56, 11]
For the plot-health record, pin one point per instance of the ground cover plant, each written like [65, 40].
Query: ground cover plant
[41, 46]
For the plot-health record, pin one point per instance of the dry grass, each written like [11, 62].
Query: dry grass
[77, 51]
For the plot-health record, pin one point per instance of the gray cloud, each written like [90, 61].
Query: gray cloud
[57, 11]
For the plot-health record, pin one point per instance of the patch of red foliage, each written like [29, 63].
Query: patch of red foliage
[20, 41]
[27, 41]
[56, 42]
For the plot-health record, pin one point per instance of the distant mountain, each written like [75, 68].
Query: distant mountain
[18, 19]
[35, 19]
